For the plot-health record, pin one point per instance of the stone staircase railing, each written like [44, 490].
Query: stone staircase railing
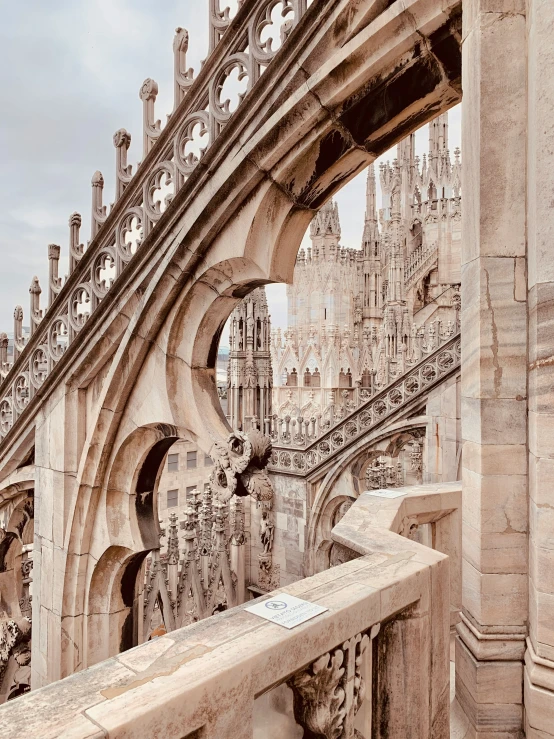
[297, 451]
[242, 45]
[385, 633]
[419, 262]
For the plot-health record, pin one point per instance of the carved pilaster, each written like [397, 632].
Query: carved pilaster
[14, 640]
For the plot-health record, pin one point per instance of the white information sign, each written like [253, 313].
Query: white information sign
[286, 610]
[384, 493]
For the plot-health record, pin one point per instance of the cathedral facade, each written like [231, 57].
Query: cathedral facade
[354, 314]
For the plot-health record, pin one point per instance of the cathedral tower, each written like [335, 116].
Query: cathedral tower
[371, 248]
[249, 370]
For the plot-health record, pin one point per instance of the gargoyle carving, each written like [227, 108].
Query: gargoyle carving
[239, 466]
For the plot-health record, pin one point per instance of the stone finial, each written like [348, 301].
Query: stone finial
[35, 288]
[148, 90]
[18, 342]
[99, 214]
[75, 248]
[122, 139]
[54, 282]
[123, 171]
[173, 540]
[182, 76]
[36, 314]
[151, 127]
[3, 349]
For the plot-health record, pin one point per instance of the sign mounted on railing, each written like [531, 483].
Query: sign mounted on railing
[384, 493]
[286, 610]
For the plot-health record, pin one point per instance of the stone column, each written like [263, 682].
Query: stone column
[539, 658]
[490, 646]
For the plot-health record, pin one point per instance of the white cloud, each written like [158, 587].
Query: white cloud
[75, 69]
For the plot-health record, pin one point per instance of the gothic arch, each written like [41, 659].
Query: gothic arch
[326, 521]
[113, 583]
[113, 613]
[234, 228]
[327, 490]
[17, 537]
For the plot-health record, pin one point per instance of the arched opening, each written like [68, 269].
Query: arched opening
[158, 475]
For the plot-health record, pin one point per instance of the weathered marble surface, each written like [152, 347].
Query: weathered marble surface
[208, 675]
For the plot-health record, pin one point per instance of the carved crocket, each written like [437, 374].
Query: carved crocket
[239, 466]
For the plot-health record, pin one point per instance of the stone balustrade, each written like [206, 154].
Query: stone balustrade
[419, 261]
[385, 634]
[429, 514]
[301, 444]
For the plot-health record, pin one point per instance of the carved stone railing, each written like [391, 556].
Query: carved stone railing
[374, 665]
[299, 432]
[241, 46]
[430, 514]
[419, 262]
[303, 453]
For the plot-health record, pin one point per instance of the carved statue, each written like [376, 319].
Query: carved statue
[267, 530]
[14, 640]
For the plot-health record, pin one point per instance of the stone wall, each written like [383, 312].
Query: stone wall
[443, 444]
[290, 515]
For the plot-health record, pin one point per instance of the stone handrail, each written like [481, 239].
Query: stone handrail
[237, 676]
[301, 454]
[437, 506]
[419, 261]
[242, 45]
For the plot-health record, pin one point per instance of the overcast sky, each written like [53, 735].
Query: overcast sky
[72, 73]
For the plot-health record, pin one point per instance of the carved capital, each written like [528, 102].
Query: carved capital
[330, 691]
[319, 696]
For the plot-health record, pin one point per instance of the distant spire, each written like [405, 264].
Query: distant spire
[438, 135]
[326, 222]
[371, 232]
[371, 195]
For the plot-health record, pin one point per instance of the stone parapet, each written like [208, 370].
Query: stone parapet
[224, 676]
